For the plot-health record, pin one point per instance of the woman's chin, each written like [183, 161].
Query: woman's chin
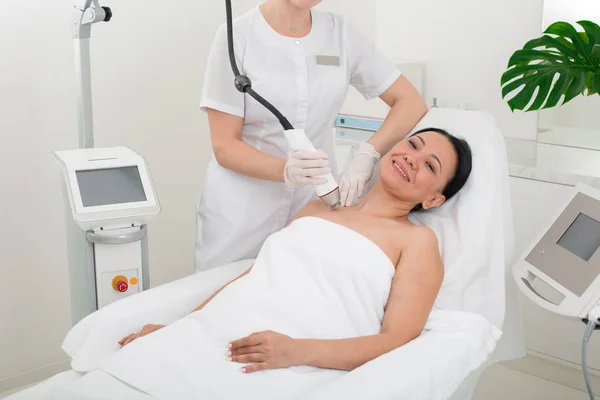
[394, 181]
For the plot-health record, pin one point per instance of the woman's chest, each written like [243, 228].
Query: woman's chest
[387, 235]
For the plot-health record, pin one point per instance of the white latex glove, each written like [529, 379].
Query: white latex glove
[358, 173]
[306, 167]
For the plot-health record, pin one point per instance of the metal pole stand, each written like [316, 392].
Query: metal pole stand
[85, 13]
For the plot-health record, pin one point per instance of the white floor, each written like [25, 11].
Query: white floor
[5, 394]
[501, 383]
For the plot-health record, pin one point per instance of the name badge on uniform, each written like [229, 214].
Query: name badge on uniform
[328, 60]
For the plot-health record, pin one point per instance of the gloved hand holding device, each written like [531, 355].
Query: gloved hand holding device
[306, 167]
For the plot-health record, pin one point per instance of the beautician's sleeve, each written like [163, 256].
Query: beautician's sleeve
[371, 72]
[219, 92]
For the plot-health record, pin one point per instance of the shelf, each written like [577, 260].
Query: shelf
[553, 163]
[527, 159]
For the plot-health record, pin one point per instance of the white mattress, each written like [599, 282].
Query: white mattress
[64, 385]
[44, 388]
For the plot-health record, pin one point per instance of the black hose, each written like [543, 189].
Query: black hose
[591, 325]
[242, 82]
[236, 71]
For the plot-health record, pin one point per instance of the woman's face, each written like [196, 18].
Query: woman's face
[304, 4]
[418, 168]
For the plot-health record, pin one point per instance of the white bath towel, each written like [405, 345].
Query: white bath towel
[315, 279]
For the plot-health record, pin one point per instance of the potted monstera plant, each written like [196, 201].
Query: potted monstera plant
[562, 64]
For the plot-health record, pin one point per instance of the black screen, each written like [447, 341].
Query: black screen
[102, 187]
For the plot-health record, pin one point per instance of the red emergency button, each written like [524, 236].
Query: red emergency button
[119, 283]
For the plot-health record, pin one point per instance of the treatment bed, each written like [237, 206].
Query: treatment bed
[475, 235]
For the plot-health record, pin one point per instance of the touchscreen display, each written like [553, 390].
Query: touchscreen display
[100, 187]
[582, 238]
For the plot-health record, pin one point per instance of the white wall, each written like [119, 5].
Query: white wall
[581, 112]
[148, 67]
[570, 11]
[465, 45]
[35, 118]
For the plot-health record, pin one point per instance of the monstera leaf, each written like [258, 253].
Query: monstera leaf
[564, 53]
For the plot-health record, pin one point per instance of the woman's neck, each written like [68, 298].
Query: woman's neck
[287, 19]
[380, 203]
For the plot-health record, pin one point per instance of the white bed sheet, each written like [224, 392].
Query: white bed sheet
[452, 346]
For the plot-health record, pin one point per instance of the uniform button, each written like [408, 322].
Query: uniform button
[297, 42]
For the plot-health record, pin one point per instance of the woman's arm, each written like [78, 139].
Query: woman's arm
[232, 153]
[201, 306]
[407, 108]
[415, 286]
[149, 328]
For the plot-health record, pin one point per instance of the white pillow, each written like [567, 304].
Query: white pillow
[474, 228]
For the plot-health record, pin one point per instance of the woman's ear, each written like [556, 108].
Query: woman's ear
[434, 201]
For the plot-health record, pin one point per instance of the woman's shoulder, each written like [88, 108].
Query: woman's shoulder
[241, 24]
[413, 238]
[423, 235]
[333, 20]
[247, 18]
[337, 21]
[421, 252]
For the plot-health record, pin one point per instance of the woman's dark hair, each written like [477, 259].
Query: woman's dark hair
[463, 165]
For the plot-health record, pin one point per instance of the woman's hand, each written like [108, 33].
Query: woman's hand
[146, 330]
[266, 350]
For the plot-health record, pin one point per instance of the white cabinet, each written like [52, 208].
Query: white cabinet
[534, 202]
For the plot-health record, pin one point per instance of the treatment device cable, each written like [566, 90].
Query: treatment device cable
[242, 82]
[589, 329]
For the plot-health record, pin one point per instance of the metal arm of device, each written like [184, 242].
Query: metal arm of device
[85, 13]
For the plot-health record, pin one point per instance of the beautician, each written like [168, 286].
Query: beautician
[302, 61]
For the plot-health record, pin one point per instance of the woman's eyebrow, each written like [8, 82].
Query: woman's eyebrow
[433, 155]
[438, 160]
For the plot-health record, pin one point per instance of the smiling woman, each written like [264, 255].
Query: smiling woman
[428, 147]
[328, 293]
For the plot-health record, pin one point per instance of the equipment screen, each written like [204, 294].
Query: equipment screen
[582, 238]
[101, 187]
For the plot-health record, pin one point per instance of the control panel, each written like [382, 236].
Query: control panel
[117, 285]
